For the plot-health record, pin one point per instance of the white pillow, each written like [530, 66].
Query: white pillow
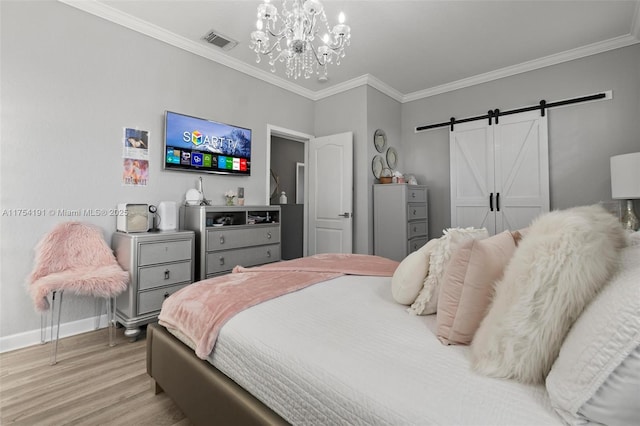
[602, 348]
[566, 258]
[408, 279]
[427, 301]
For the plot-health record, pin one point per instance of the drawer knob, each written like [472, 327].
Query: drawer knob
[414, 212]
[166, 294]
[268, 235]
[222, 239]
[413, 195]
[167, 273]
[221, 260]
[415, 229]
[268, 253]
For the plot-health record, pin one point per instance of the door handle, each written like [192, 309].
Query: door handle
[497, 201]
[491, 201]
[345, 215]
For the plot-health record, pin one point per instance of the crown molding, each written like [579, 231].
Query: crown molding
[635, 25]
[367, 79]
[109, 13]
[569, 55]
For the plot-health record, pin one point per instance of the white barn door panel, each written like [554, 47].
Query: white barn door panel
[499, 173]
[472, 171]
[522, 169]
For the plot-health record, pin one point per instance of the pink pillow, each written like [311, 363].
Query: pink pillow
[467, 286]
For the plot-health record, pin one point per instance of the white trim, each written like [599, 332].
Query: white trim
[558, 58]
[30, 338]
[367, 79]
[635, 24]
[201, 49]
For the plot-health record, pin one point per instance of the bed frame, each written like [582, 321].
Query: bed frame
[203, 393]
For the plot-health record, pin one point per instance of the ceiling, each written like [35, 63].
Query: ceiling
[407, 49]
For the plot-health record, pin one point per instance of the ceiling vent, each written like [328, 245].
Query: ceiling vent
[219, 40]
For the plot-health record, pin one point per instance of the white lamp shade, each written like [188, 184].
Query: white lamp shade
[625, 176]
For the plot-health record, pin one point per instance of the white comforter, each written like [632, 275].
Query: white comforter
[343, 352]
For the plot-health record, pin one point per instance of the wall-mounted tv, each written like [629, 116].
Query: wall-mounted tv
[199, 145]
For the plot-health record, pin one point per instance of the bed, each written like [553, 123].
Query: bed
[319, 356]
[343, 351]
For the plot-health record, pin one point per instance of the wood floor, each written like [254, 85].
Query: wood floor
[92, 384]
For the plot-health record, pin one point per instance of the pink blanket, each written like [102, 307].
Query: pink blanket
[199, 311]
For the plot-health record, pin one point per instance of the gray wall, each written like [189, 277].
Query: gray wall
[582, 137]
[361, 110]
[383, 113]
[69, 94]
[70, 83]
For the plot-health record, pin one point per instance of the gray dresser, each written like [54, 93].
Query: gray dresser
[159, 263]
[400, 222]
[230, 236]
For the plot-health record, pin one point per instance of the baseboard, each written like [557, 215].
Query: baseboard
[30, 338]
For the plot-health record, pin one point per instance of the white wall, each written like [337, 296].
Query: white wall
[70, 83]
[582, 137]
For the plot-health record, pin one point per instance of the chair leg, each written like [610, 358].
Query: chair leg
[43, 328]
[54, 343]
[111, 321]
[98, 313]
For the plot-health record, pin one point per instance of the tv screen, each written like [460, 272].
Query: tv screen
[198, 145]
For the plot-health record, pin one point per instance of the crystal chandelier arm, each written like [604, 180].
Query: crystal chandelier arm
[274, 45]
[279, 34]
[315, 55]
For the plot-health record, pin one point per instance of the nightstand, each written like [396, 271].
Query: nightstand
[159, 263]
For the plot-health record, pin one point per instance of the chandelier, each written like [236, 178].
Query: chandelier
[293, 37]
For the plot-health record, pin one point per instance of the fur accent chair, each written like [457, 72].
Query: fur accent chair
[75, 257]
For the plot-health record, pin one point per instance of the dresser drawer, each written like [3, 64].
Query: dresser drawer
[416, 195]
[223, 261]
[416, 229]
[151, 301]
[416, 211]
[164, 251]
[162, 275]
[415, 244]
[224, 239]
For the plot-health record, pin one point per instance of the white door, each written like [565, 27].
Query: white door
[522, 169]
[330, 196]
[471, 153]
[499, 173]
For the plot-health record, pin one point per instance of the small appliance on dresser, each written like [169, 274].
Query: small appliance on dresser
[132, 217]
[159, 263]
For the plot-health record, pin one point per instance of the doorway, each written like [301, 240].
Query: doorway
[287, 152]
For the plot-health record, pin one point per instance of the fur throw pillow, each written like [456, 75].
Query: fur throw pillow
[564, 260]
[427, 301]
